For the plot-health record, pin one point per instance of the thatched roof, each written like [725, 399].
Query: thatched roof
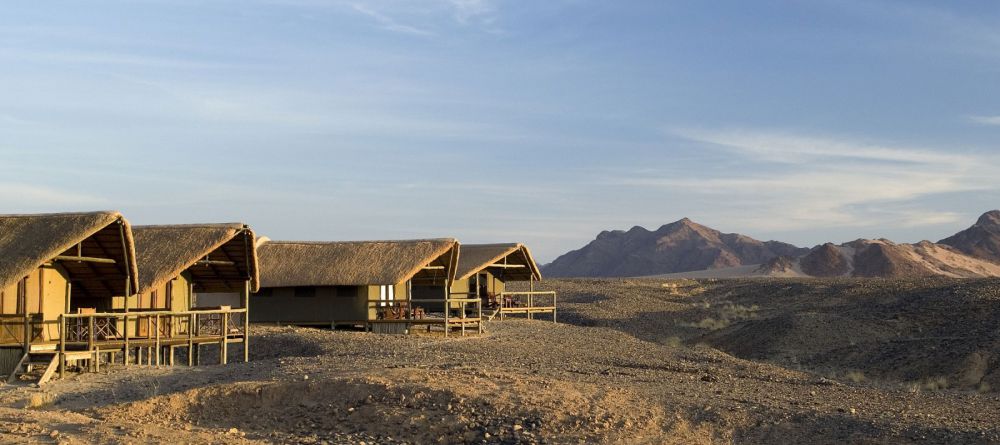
[28, 241]
[476, 257]
[163, 252]
[356, 263]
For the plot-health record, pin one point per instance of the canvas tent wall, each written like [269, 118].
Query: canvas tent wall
[51, 264]
[329, 283]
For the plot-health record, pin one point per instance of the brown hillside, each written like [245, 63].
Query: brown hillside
[681, 246]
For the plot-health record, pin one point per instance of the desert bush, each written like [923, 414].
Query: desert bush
[931, 384]
[936, 384]
[708, 323]
[727, 315]
[674, 342]
[39, 400]
[855, 376]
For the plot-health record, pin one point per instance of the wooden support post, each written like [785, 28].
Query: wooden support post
[223, 351]
[157, 340]
[90, 333]
[97, 359]
[62, 346]
[171, 350]
[246, 321]
[191, 322]
[554, 306]
[125, 324]
[447, 307]
[27, 329]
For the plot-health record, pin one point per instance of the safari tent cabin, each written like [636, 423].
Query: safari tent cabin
[484, 270]
[367, 284]
[52, 265]
[203, 272]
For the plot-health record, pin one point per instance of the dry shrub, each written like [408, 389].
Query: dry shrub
[931, 384]
[709, 323]
[727, 315]
[855, 376]
[39, 400]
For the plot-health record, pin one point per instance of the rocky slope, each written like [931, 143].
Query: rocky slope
[982, 240]
[877, 259]
[677, 247]
[688, 250]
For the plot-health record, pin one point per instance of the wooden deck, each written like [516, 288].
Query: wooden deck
[526, 303]
[155, 334]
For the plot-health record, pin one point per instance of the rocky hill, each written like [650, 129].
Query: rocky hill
[982, 240]
[685, 249]
[880, 259]
[680, 246]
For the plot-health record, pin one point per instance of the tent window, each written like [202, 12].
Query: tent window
[305, 291]
[386, 293]
[265, 292]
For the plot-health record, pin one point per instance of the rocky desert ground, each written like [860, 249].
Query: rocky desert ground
[631, 361]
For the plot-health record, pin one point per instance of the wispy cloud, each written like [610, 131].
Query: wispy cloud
[466, 10]
[426, 17]
[15, 196]
[789, 182]
[389, 23]
[796, 148]
[985, 120]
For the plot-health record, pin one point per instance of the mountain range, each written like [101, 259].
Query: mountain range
[688, 249]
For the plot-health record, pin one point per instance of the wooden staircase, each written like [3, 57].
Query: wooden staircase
[36, 366]
[494, 314]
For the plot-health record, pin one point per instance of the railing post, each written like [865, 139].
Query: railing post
[447, 307]
[223, 348]
[90, 333]
[125, 324]
[246, 322]
[62, 346]
[191, 323]
[554, 306]
[530, 305]
[27, 331]
[157, 352]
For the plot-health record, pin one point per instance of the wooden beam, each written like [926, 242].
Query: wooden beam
[215, 263]
[84, 259]
[508, 266]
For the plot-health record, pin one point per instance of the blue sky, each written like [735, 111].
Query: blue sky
[492, 121]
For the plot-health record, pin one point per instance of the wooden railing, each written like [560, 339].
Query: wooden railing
[469, 310]
[99, 329]
[13, 328]
[527, 302]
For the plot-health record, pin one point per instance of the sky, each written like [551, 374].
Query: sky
[543, 122]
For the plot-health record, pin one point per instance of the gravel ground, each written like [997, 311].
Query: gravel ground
[634, 362]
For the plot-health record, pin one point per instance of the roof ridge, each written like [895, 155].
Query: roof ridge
[323, 243]
[49, 215]
[190, 225]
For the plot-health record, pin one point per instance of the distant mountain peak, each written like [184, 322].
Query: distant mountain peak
[991, 218]
[680, 246]
[981, 240]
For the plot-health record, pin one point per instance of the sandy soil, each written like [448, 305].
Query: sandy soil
[634, 362]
